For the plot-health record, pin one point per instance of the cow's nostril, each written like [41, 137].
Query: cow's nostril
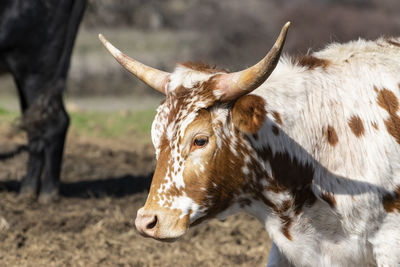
[152, 224]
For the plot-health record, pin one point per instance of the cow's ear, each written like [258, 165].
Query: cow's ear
[249, 114]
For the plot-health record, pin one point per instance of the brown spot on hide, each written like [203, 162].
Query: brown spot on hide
[290, 175]
[286, 205]
[391, 202]
[275, 130]
[356, 126]
[388, 101]
[375, 125]
[277, 117]
[248, 113]
[330, 199]
[312, 62]
[286, 223]
[331, 136]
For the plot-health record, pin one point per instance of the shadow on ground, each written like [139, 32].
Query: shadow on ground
[10, 154]
[112, 187]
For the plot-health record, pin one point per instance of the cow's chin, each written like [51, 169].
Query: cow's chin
[169, 238]
[165, 235]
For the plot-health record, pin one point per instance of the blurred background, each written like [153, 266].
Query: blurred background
[109, 158]
[232, 34]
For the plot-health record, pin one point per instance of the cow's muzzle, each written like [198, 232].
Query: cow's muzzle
[161, 225]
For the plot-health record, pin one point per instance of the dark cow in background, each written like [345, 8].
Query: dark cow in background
[36, 41]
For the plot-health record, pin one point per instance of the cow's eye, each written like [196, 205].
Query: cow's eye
[200, 141]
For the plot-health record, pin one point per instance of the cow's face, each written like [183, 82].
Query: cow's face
[202, 153]
[186, 186]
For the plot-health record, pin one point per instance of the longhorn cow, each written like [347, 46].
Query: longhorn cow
[309, 145]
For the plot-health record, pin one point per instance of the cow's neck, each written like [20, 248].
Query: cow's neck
[284, 151]
[288, 93]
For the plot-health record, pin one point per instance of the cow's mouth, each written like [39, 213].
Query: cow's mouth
[165, 240]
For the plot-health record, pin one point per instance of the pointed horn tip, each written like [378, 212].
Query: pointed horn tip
[102, 39]
[115, 52]
[282, 36]
[285, 27]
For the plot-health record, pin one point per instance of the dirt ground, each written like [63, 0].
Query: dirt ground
[104, 182]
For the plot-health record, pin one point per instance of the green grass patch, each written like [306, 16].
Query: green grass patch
[135, 125]
[7, 116]
[131, 124]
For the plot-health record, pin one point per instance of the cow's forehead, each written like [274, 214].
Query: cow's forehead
[189, 89]
[187, 76]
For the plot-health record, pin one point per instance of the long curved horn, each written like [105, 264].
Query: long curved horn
[153, 77]
[230, 86]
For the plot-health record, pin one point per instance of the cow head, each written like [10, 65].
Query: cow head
[199, 132]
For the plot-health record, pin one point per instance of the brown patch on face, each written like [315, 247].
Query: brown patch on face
[277, 117]
[356, 126]
[159, 174]
[312, 62]
[391, 202]
[275, 130]
[330, 199]
[290, 175]
[176, 102]
[375, 125]
[174, 191]
[248, 113]
[224, 173]
[389, 102]
[215, 187]
[331, 136]
[201, 66]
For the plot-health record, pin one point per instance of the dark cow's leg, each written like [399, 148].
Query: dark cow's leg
[46, 123]
[55, 133]
[31, 182]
